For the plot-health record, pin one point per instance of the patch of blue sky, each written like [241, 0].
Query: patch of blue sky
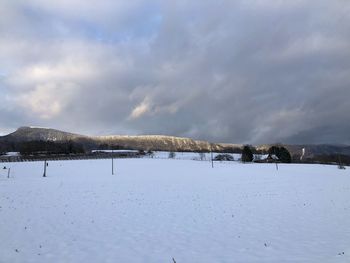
[140, 23]
[3, 73]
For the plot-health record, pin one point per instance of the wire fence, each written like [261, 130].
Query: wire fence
[35, 158]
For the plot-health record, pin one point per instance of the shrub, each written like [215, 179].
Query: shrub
[201, 156]
[341, 167]
[150, 153]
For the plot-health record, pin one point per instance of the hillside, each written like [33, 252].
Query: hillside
[24, 134]
[141, 142]
[152, 142]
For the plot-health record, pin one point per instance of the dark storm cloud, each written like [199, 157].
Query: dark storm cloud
[230, 71]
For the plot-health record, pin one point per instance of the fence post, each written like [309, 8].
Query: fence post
[112, 163]
[44, 175]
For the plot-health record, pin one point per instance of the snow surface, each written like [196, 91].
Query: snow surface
[153, 210]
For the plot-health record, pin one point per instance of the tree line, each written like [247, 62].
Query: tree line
[50, 147]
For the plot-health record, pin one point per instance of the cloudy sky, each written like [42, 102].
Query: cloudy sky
[239, 71]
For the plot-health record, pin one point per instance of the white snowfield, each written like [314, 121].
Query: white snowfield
[154, 210]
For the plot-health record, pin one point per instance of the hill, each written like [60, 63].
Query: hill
[141, 142]
[12, 142]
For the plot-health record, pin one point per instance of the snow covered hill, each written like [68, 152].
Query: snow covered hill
[153, 210]
[153, 142]
[38, 133]
[141, 142]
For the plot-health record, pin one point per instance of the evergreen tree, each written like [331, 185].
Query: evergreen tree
[247, 154]
[284, 155]
[273, 150]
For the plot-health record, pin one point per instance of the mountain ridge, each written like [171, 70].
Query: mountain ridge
[135, 142]
[153, 142]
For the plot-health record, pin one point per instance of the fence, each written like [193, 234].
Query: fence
[34, 158]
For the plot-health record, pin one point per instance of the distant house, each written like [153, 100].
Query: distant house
[272, 158]
[269, 158]
[224, 157]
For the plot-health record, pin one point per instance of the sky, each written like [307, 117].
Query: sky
[235, 71]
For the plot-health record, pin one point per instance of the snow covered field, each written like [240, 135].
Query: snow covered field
[153, 210]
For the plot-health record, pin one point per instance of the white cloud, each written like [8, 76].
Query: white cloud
[47, 100]
[140, 110]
